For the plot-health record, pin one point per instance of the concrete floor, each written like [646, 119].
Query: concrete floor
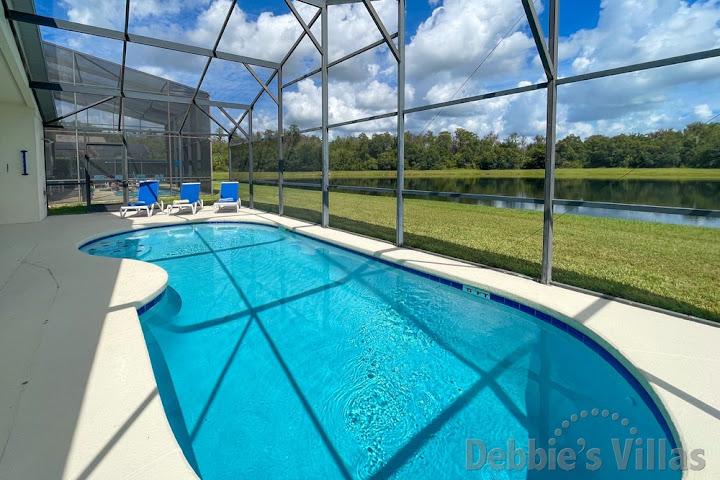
[78, 397]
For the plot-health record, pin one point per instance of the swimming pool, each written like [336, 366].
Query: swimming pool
[279, 356]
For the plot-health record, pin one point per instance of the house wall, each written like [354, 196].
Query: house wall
[22, 197]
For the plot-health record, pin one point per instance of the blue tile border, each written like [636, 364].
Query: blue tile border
[544, 317]
[151, 303]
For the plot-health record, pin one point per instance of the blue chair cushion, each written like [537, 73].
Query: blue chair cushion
[136, 204]
[227, 200]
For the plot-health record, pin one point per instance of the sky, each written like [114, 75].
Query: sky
[455, 49]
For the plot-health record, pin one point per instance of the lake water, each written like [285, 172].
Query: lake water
[696, 194]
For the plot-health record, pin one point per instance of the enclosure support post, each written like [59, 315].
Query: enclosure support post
[325, 121]
[250, 158]
[181, 154]
[77, 135]
[546, 275]
[400, 185]
[281, 159]
[229, 159]
[126, 194]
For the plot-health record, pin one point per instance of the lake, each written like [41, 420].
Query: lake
[697, 194]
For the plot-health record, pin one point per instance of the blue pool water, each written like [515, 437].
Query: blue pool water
[278, 356]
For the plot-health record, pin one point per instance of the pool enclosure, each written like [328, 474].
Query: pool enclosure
[110, 124]
[82, 137]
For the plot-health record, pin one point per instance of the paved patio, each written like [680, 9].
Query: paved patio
[78, 398]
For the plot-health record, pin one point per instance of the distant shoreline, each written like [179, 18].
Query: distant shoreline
[710, 174]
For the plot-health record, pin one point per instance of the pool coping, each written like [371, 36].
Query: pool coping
[661, 347]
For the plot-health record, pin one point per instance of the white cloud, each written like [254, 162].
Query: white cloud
[703, 112]
[631, 32]
[637, 31]
[458, 36]
[347, 102]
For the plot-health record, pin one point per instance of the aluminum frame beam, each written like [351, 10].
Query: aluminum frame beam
[262, 83]
[236, 124]
[689, 212]
[80, 110]
[378, 22]
[125, 188]
[144, 131]
[209, 60]
[550, 139]
[66, 25]
[304, 26]
[343, 2]
[475, 98]
[250, 159]
[115, 93]
[314, 3]
[325, 221]
[229, 147]
[212, 119]
[257, 97]
[122, 66]
[400, 182]
[340, 60]
[281, 156]
[536, 29]
[637, 67]
[282, 63]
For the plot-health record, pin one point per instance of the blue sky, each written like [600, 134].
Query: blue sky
[446, 41]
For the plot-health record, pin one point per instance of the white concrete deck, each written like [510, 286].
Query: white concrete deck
[78, 398]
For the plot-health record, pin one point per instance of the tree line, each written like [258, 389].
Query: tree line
[697, 146]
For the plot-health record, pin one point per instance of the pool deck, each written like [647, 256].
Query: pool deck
[78, 397]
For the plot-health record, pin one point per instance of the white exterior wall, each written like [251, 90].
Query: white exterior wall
[22, 198]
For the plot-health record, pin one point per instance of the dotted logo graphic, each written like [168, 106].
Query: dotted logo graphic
[595, 412]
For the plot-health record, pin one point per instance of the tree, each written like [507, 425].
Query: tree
[570, 152]
[697, 146]
[536, 153]
[292, 136]
[666, 148]
[597, 148]
[468, 148]
[701, 145]
[219, 151]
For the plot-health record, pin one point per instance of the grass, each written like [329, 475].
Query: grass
[561, 173]
[669, 266]
[70, 209]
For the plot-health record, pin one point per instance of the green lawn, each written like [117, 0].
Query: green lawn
[669, 266]
[562, 173]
